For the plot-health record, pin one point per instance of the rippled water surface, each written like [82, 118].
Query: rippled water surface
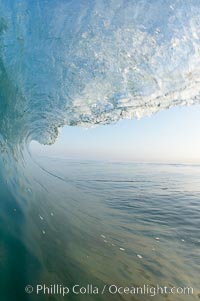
[85, 63]
[89, 221]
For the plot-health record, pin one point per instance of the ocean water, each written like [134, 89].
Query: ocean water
[86, 63]
[90, 220]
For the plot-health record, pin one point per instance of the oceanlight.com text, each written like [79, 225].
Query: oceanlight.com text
[113, 289]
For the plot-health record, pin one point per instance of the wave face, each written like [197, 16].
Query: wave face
[89, 62]
[93, 62]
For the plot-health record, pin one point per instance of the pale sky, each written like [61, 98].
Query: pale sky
[169, 136]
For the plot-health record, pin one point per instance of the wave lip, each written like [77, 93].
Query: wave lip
[94, 63]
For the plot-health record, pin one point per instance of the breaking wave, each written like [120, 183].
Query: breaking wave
[92, 62]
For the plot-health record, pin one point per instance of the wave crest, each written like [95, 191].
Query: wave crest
[94, 62]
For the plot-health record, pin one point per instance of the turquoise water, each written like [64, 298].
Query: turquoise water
[86, 63]
[89, 222]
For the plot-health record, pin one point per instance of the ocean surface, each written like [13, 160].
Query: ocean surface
[85, 63]
[101, 223]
